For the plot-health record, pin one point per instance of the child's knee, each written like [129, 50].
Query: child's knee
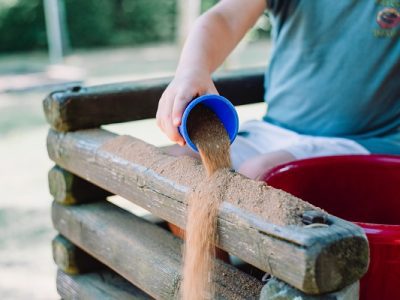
[247, 169]
[256, 167]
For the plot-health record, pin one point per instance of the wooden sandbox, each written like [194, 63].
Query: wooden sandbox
[103, 251]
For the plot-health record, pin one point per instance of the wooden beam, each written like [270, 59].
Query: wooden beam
[68, 189]
[315, 259]
[278, 290]
[71, 259]
[80, 108]
[104, 284]
[143, 253]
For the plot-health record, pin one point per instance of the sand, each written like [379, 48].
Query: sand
[212, 141]
[273, 205]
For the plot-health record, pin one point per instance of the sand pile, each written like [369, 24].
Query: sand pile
[184, 173]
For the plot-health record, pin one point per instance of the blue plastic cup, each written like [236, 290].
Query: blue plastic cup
[223, 109]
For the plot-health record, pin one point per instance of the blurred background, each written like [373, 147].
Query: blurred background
[48, 45]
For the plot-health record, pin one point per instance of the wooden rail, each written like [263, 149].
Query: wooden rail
[71, 259]
[315, 259]
[143, 253]
[103, 284]
[66, 188]
[80, 108]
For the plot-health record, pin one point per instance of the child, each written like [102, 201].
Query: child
[332, 85]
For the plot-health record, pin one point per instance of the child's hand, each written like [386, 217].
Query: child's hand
[183, 89]
[213, 37]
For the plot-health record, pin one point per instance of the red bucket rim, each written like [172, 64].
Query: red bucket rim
[358, 158]
[371, 228]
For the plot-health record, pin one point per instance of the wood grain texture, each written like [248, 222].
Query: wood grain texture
[91, 107]
[67, 188]
[278, 290]
[104, 284]
[314, 259]
[143, 253]
[71, 259]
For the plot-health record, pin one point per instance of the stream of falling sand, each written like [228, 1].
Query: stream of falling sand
[212, 140]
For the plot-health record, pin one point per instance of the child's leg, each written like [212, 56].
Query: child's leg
[257, 166]
[308, 146]
[261, 146]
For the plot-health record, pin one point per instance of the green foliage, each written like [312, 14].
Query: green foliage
[90, 23]
[119, 22]
[143, 21]
[22, 25]
[206, 4]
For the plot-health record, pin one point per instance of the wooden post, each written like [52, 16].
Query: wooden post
[143, 253]
[104, 284]
[314, 259]
[54, 30]
[71, 259]
[67, 188]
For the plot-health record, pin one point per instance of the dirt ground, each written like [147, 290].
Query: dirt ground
[26, 267]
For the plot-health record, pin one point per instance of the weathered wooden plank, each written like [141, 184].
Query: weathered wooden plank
[80, 108]
[315, 259]
[71, 259]
[105, 285]
[68, 189]
[143, 253]
[278, 290]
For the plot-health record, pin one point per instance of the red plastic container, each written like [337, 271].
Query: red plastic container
[364, 189]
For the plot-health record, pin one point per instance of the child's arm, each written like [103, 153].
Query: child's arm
[213, 37]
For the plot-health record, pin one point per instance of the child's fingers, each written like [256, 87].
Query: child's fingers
[173, 134]
[159, 114]
[166, 124]
[163, 110]
[181, 101]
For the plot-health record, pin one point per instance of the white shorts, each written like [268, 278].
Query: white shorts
[258, 137]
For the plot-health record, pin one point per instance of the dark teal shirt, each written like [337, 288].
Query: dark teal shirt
[335, 70]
